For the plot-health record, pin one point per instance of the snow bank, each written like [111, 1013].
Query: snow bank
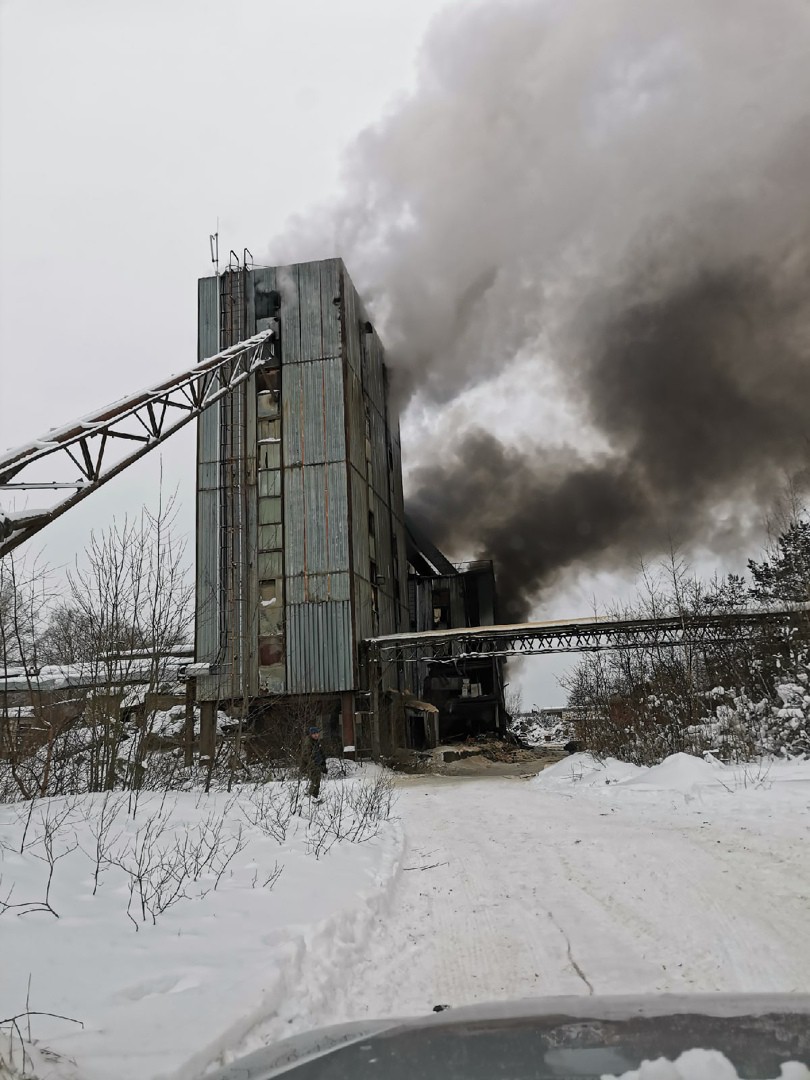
[682, 774]
[678, 772]
[167, 1000]
[703, 1065]
[584, 770]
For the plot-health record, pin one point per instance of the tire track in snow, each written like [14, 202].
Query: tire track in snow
[527, 893]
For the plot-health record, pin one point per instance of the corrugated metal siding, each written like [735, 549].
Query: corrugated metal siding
[316, 520]
[313, 418]
[362, 602]
[318, 588]
[319, 296]
[379, 456]
[319, 647]
[332, 275]
[309, 293]
[207, 318]
[353, 316]
[356, 421]
[289, 315]
[373, 372]
[251, 527]
[360, 545]
[317, 562]
[206, 622]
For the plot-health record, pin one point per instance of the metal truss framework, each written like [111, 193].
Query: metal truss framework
[139, 422]
[573, 636]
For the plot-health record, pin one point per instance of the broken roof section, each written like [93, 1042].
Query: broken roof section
[424, 556]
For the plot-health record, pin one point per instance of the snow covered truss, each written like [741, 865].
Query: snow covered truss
[574, 635]
[72, 462]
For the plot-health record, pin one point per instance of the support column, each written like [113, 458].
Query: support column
[208, 729]
[347, 721]
[375, 679]
[188, 742]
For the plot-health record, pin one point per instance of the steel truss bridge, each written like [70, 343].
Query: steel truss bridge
[578, 635]
[72, 462]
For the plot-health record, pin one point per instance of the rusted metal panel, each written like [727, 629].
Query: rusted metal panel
[356, 421]
[361, 555]
[373, 372]
[289, 314]
[319, 648]
[353, 316]
[318, 588]
[309, 302]
[316, 519]
[313, 417]
[379, 455]
[292, 414]
[324, 436]
[327, 515]
[332, 274]
[363, 607]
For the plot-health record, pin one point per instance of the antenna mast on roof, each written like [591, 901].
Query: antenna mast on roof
[213, 242]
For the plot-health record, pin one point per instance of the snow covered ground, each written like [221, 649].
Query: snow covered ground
[691, 876]
[164, 998]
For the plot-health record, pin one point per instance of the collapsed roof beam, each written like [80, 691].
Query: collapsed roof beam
[81, 457]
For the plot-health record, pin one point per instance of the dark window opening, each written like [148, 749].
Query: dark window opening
[441, 609]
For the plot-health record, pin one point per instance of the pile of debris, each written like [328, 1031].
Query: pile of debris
[483, 754]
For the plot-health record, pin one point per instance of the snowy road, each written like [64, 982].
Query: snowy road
[512, 889]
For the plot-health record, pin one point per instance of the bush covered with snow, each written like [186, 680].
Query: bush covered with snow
[738, 694]
[541, 728]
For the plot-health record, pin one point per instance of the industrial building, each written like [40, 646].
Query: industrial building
[469, 692]
[302, 546]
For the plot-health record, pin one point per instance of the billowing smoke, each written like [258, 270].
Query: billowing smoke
[617, 192]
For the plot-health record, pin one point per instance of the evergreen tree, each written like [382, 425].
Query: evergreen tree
[785, 573]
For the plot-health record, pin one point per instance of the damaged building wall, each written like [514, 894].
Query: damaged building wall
[468, 693]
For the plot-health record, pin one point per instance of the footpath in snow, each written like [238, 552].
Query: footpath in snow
[689, 877]
[592, 879]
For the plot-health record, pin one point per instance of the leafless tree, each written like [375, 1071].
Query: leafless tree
[131, 598]
[25, 593]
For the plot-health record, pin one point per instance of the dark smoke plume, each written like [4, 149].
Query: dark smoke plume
[616, 192]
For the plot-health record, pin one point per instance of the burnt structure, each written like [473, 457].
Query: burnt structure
[302, 548]
[468, 692]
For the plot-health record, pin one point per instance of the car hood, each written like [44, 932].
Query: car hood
[545, 1039]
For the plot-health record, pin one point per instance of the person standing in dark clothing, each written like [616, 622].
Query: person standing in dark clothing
[313, 761]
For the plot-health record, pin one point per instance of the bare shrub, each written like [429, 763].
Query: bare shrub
[271, 808]
[349, 812]
[50, 842]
